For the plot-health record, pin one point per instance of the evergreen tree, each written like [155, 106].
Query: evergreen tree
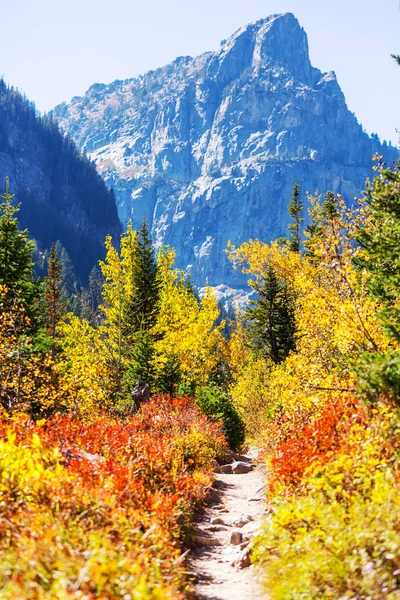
[270, 318]
[329, 207]
[16, 265]
[142, 306]
[380, 243]
[295, 209]
[131, 295]
[69, 286]
[169, 375]
[141, 363]
[91, 298]
[191, 288]
[54, 305]
[314, 230]
[140, 312]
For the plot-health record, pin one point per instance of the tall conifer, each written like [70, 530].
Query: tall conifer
[329, 206]
[54, 305]
[380, 256]
[295, 209]
[16, 265]
[271, 318]
[142, 307]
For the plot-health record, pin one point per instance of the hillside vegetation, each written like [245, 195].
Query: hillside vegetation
[325, 410]
[99, 486]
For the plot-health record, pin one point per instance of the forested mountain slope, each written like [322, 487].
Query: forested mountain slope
[63, 198]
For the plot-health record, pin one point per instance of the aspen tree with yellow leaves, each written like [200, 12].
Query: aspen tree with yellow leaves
[186, 326]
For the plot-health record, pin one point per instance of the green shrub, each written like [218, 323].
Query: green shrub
[216, 405]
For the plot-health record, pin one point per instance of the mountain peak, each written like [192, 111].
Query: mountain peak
[210, 147]
[276, 41]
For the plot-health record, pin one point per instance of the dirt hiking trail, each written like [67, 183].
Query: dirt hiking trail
[220, 563]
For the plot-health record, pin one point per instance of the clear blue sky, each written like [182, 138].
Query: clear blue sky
[53, 50]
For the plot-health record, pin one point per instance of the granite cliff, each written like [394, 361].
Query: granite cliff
[210, 147]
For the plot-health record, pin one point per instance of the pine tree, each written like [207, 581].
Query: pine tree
[329, 207]
[16, 265]
[169, 375]
[91, 298]
[142, 307]
[380, 244]
[314, 230]
[131, 295]
[141, 364]
[295, 209]
[69, 287]
[141, 311]
[54, 305]
[270, 318]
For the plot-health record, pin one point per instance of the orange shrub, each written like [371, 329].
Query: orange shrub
[99, 510]
[302, 442]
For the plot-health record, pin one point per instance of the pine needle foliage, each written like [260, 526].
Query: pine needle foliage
[295, 209]
[380, 256]
[329, 207]
[16, 265]
[143, 306]
[54, 305]
[271, 324]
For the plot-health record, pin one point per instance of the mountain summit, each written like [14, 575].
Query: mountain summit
[210, 147]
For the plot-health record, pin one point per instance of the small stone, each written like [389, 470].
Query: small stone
[217, 521]
[244, 559]
[227, 469]
[216, 528]
[242, 521]
[240, 468]
[213, 495]
[202, 540]
[236, 538]
[215, 466]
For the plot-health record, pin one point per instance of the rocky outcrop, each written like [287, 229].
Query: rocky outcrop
[209, 147]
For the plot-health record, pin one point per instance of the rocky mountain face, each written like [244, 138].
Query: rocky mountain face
[61, 194]
[209, 147]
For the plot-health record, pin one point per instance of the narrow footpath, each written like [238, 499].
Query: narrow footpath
[220, 563]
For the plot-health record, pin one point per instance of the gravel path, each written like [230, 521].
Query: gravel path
[220, 562]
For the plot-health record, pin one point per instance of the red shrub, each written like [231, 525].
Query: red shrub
[312, 440]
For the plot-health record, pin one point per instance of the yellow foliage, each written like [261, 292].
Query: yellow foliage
[117, 269]
[87, 376]
[26, 473]
[27, 381]
[339, 538]
[185, 326]
[334, 318]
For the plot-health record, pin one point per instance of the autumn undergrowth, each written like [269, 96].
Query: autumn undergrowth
[101, 510]
[325, 415]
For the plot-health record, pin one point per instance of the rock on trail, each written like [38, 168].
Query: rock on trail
[220, 563]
